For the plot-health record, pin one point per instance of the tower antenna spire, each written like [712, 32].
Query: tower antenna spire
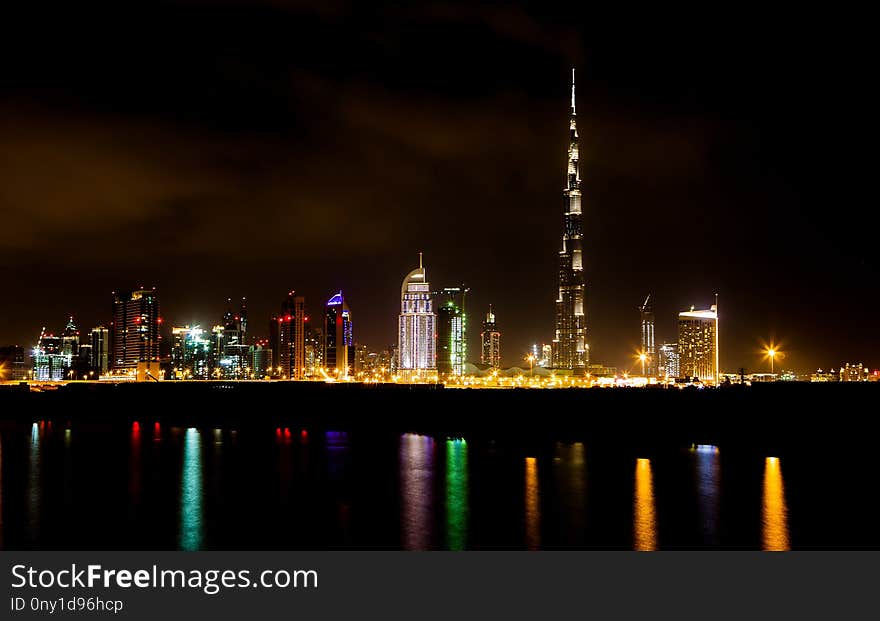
[572, 91]
[420, 261]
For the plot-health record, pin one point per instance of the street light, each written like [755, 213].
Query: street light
[642, 358]
[531, 359]
[772, 354]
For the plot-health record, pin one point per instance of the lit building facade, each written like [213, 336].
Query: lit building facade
[49, 364]
[669, 363]
[261, 359]
[314, 347]
[363, 359]
[646, 312]
[70, 339]
[416, 328]
[100, 354]
[338, 337]
[570, 348]
[853, 373]
[291, 337]
[190, 353]
[135, 329]
[543, 354]
[824, 376]
[698, 344]
[231, 354]
[490, 342]
[452, 331]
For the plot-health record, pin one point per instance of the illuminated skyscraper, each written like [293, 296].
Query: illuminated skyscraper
[100, 355]
[490, 340]
[451, 331]
[230, 352]
[292, 337]
[417, 338]
[647, 330]
[135, 329]
[261, 359]
[190, 353]
[697, 343]
[570, 348]
[50, 364]
[70, 340]
[338, 337]
[669, 364]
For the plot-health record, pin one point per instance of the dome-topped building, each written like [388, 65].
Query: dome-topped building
[417, 340]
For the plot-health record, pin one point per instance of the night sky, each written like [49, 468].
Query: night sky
[234, 149]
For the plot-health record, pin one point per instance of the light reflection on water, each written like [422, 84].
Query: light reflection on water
[191, 531]
[774, 512]
[45, 471]
[644, 511]
[533, 505]
[338, 470]
[336, 443]
[416, 491]
[457, 509]
[135, 468]
[569, 464]
[284, 442]
[34, 488]
[708, 479]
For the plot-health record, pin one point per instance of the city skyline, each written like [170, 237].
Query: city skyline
[215, 339]
[182, 172]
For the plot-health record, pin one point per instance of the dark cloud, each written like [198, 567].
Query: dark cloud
[222, 149]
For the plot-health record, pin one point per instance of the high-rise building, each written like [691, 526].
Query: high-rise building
[490, 340]
[646, 311]
[417, 339]
[243, 320]
[698, 344]
[231, 352]
[275, 344]
[314, 347]
[190, 353]
[386, 361]
[261, 359]
[12, 367]
[451, 331]
[338, 337]
[543, 355]
[545, 360]
[292, 336]
[363, 359]
[570, 348]
[83, 362]
[669, 364]
[70, 340]
[135, 329]
[49, 363]
[100, 355]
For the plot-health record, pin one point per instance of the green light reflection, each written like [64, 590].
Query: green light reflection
[457, 508]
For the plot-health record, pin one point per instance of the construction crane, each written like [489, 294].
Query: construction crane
[40, 340]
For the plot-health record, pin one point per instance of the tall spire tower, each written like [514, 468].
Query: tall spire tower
[570, 348]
